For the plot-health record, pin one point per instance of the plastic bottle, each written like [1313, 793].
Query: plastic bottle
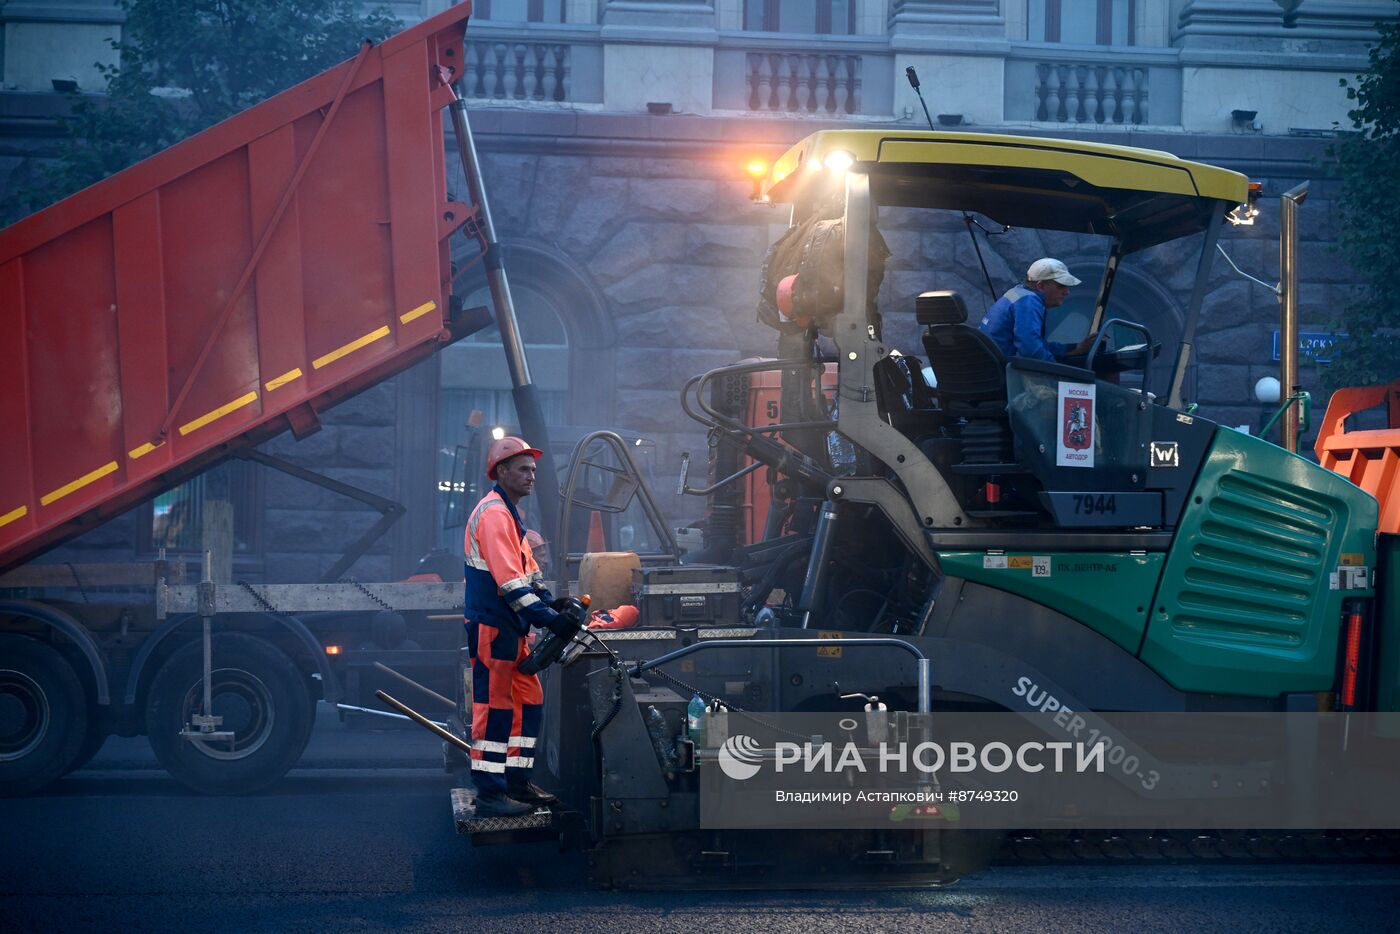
[717, 724]
[695, 720]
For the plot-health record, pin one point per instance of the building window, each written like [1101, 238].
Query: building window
[177, 516]
[1083, 22]
[822, 17]
[520, 11]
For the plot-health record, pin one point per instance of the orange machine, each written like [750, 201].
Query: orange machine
[1370, 458]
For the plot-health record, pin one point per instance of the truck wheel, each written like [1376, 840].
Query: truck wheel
[42, 715]
[263, 699]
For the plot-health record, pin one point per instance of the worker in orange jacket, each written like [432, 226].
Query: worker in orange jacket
[505, 597]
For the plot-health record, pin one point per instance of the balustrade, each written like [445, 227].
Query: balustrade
[799, 82]
[1089, 93]
[522, 71]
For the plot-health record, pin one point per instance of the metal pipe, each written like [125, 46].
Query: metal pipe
[449, 704]
[424, 722]
[381, 713]
[506, 320]
[814, 584]
[206, 618]
[1288, 298]
[527, 403]
[1110, 270]
[1193, 310]
[925, 680]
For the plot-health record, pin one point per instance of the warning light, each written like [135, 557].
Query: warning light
[758, 170]
[1243, 215]
[332, 650]
[839, 160]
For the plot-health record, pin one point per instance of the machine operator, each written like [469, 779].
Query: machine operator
[1016, 321]
[505, 596]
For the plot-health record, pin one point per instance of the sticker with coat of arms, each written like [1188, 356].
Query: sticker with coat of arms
[1074, 442]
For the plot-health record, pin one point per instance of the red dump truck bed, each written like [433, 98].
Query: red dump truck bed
[226, 289]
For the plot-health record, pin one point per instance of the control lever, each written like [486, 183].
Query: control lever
[876, 715]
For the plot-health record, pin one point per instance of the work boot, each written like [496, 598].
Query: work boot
[497, 804]
[530, 793]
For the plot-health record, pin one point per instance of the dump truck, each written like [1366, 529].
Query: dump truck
[173, 316]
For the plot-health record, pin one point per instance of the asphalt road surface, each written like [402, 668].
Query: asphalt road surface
[359, 837]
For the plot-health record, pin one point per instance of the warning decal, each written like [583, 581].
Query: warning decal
[1074, 446]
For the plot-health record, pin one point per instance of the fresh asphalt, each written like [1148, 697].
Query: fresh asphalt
[359, 837]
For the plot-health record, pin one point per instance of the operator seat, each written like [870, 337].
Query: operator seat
[970, 368]
[971, 374]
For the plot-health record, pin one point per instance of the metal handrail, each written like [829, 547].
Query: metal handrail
[566, 501]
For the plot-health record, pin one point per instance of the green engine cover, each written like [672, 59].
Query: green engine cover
[1108, 592]
[1248, 602]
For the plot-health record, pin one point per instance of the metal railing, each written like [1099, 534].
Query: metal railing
[1091, 93]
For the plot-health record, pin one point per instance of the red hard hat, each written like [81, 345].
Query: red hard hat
[505, 449]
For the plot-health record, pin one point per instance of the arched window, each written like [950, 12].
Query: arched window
[569, 343]
[1082, 22]
[474, 379]
[821, 17]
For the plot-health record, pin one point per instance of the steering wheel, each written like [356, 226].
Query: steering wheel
[1130, 357]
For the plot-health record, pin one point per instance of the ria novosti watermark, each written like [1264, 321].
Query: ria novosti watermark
[1051, 768]
[740, 757]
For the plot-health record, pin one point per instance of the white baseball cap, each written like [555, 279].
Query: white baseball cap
[1047, 268]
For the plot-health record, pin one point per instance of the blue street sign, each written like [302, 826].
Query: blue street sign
[1313, 346]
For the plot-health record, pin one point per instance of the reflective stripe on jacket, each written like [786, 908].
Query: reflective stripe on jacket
[504, 585]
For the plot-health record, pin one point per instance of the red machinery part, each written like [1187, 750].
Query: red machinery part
[764, 409]
[227, 288]
[1370, 458]
[1351, 659]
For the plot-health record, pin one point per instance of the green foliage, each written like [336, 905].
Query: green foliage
[187, 64]
[1369, 167]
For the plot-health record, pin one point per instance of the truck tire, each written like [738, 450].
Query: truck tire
[43, 714]
[263, 698]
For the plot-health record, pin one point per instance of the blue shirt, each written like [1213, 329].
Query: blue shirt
[1016, 323]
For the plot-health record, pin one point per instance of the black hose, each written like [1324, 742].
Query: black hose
[598, 730]
[770, 577]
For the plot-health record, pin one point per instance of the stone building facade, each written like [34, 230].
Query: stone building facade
[615, 135]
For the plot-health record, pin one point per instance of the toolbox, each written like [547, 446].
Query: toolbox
[694, 595]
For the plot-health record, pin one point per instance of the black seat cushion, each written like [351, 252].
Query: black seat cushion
[970, 368]
[940, 307]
